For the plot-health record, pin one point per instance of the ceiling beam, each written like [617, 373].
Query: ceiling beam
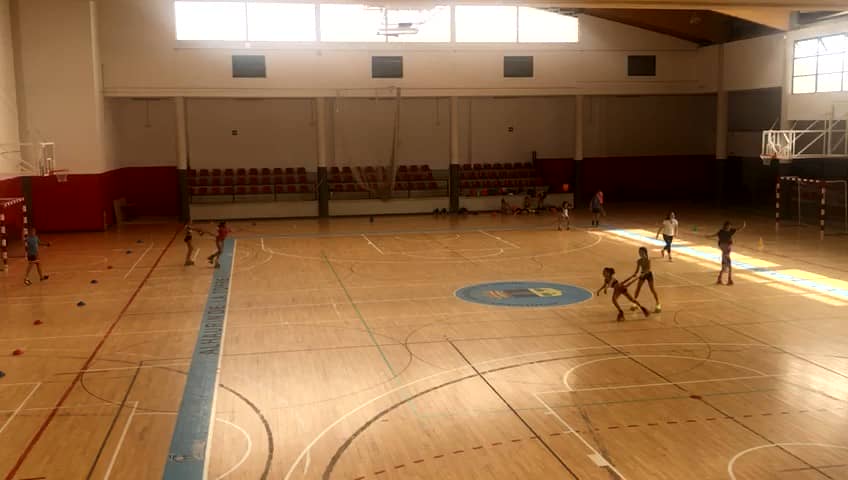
[777, 18]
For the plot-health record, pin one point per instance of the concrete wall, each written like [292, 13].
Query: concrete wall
[59, 95]
[141, 58]
[8, 94]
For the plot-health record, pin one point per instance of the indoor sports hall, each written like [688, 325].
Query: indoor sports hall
[260, 239]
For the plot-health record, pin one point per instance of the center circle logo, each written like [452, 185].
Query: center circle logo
[523, 294]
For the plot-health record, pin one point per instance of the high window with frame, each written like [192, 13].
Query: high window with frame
[820, 65]
[279, 21]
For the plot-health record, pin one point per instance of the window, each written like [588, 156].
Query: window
[245, 21]
[820, 65]
[536, 25]
[210, 21]
[281, 22]
[248, 66]
[407, 25]
[362, 23]
[485, 24]
[351, 23]
[641, 65]
[386, 67]
[518, 67]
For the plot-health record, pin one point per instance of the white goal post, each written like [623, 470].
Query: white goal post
[810, 201]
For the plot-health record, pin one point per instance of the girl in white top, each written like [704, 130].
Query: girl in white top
[563, 219]
[669, 231]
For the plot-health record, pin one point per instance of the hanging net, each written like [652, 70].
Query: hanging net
[367, 133]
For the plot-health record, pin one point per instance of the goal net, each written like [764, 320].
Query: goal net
[367, 132]
[799, 202]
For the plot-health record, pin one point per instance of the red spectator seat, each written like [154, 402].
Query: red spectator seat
[253, 181]
[253, 172]
[528, 165]
[241, 190]
[432, 186]
[413, 168]
[203, 182]
[289, 171]
[291, 188]
[241, 181]
[192, 181]
[254, 189]
[346, 170]
[336, 178]
[335, 170]
[199, 190]
[192, 172]
[306, 189]
[301, 179]
[497, 166]
[290, 179]
[465, 184]
[216, 172]
[203, 172]
[227, 190]
[301, 171]
[507, 165]
[475, 184]
[478, 166]
[466, 166]
[348, 178]
[215, 191]
[278, 179]
[487, 166]
[279, 188]
[215, 182]
[278, 171]
[425, 168]
[420, 186]
[402, 186]
[228, 172]
[338, 187]
[402, 168]
[241, 172]
[350, 187]
[266, 172]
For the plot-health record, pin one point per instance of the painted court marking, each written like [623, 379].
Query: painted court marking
[372, 244]
[192, 438]
[499, 239]
[137, 261]
[714, 258]
[20, 407]
[739, 455]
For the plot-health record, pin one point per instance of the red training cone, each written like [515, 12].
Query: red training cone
[17, 352]
[37, 322]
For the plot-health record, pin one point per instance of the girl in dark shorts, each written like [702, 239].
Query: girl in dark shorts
[725, 241]
[32, 242]
[188, 239]
[643, 265]
[618, 289]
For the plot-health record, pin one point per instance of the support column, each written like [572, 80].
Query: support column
[721, 127]
[182, 159]
[323, 185]
[577, 183]
[454, 183]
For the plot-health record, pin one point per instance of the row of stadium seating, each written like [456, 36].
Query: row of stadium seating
[252, 190]
[496, 166]
[231, 181]
[486, 174]
[244, 172]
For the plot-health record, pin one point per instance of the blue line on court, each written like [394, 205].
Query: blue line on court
[187, 454]
[714, 257]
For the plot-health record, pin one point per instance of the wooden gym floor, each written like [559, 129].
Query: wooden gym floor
[347, 355]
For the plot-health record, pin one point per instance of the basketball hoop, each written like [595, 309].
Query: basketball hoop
[61, 175]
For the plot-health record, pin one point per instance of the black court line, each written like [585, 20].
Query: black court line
[716, 408]
[512, 409]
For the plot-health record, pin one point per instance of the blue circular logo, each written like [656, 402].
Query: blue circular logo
[523, 294]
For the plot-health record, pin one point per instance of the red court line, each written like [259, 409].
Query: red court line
[40, 432]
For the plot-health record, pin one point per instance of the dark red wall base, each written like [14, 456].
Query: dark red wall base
[85, 202]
